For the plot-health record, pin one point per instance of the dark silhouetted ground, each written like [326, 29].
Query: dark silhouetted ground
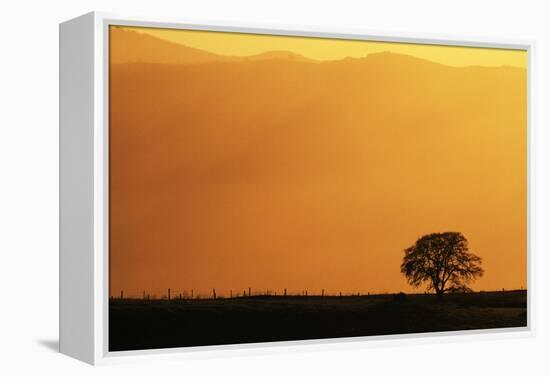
[141, 324]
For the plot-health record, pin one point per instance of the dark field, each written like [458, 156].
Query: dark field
[142, 324]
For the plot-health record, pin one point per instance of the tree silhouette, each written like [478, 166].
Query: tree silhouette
[443, 261]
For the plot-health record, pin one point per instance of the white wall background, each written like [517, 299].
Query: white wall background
[29, 184]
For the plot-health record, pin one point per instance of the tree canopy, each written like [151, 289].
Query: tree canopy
[442, 261]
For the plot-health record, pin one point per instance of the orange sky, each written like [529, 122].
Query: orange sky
[282, 173]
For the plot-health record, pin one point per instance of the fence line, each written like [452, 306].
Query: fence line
[285, 292]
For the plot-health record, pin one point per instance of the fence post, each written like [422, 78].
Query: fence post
[322, 293]
[248, 291]
[214, 293]
[121, 294]
[168, 293]
[285, 292]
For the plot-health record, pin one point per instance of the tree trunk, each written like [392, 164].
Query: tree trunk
[439, 294]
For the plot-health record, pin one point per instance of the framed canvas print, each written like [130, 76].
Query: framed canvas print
[237, 187]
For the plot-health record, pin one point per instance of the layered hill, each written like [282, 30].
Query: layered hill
[129, 46]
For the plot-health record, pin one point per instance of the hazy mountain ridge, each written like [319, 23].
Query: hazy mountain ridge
[276, 55]
[135, 47]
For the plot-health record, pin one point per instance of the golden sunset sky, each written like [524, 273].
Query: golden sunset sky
[231, 172]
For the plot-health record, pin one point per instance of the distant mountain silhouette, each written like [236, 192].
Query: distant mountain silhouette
[280, 55]
[135, 47]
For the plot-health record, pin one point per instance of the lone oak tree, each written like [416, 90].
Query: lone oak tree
[443, 261]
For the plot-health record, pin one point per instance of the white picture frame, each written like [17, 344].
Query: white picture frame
[84, 189]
